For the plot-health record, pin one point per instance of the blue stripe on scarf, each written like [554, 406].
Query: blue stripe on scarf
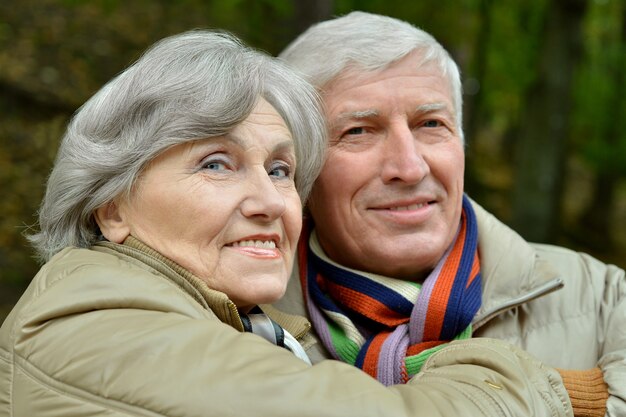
[322, 300]
[373, 289]
[360, 358]
[456, 318]
[474, 302]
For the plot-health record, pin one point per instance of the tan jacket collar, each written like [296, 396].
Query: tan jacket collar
[511, 271]
[213, 300]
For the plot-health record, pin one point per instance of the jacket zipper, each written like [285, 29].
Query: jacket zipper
[304, 331]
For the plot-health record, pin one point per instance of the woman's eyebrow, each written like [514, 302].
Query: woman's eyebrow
[285, 144]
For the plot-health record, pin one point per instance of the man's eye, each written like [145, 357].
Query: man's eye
[355, 131]
[431, 123]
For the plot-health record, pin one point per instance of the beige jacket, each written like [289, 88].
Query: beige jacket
[565, 308]
[119, 330]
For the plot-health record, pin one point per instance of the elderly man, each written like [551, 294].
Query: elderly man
[397, 260]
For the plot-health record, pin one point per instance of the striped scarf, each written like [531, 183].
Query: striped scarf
[385, 326]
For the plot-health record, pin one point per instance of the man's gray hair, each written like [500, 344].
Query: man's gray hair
[367, 42]
[190, 86]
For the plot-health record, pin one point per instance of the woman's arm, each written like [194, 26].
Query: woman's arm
[146, 362]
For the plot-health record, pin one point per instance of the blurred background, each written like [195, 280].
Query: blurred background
[544, 90]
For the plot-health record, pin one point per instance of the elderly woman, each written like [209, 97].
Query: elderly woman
[172, 212]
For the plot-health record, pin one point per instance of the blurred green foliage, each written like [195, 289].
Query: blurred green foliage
[54, 54]
[600, 118]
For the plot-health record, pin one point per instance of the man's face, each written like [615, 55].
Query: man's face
[389, 197]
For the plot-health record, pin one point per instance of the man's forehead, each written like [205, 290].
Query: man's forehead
[358, 84]
[351, 69]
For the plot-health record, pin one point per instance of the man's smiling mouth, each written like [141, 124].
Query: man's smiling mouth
[407, 208]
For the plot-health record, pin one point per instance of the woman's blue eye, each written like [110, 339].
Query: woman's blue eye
[215, 165]
[280, 171]
[217, 162]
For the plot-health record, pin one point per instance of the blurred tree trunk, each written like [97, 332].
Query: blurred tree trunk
[597, 216]
[542, 144]
[474, 98]
[40, 105]
[309, 12]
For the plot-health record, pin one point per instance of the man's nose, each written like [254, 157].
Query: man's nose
[403, 157]
[263, 200]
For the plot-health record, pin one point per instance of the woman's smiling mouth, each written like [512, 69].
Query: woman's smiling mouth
[259, 248]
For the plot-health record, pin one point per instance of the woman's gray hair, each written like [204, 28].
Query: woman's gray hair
[186, 87]
[367, 42]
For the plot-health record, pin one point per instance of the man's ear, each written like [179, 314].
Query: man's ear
[112, 223]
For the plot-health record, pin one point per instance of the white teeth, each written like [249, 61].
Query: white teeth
[406, 208]
[264, 244]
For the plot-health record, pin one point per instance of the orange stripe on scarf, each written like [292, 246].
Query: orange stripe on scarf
[365, 305]
[441, 292]
[370, 363]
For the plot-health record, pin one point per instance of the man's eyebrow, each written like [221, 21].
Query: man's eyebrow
[430, 107]
[361, 114]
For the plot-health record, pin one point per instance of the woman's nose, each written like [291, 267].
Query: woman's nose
[403, 157]
[263, 200]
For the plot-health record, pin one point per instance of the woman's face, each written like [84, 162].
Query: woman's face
[225, 208]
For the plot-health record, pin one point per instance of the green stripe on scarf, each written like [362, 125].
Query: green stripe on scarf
[414, 363]
[346, 348]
